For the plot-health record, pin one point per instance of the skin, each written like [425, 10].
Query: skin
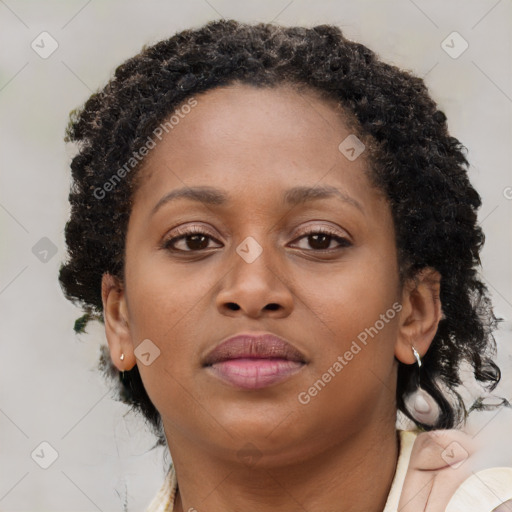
[339, 451]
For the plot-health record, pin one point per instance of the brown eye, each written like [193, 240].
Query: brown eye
[191, 240]
[321, 240]
[194, 242]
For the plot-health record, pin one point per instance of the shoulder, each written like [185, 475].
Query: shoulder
[447, 472]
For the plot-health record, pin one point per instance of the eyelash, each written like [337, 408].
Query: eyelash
[196, 230]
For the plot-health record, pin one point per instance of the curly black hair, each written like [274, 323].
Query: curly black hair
[413, 159]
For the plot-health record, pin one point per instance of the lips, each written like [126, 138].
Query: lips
[253, 362]
[251, 346]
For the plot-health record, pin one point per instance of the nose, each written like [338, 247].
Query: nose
[255, 288]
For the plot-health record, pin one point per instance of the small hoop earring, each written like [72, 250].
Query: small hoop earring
[420, 404]
[414, 351]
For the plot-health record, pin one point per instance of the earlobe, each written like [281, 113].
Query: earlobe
[420, 315]
[115, 315]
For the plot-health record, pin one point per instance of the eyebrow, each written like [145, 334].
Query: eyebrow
[293, 196]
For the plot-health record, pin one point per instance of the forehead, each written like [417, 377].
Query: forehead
[244, 137]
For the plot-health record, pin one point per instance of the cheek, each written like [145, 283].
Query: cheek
[354, 366]
[165, 296]
[355, 295]
[356, 309]
[161, 303]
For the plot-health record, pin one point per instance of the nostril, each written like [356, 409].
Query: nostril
[272, 306]
[233, 306]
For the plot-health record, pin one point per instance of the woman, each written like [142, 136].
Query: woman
[281, 239]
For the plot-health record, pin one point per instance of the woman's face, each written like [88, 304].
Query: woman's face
[336, 300]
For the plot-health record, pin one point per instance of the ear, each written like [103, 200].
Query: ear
[420, 314]
[115, 315]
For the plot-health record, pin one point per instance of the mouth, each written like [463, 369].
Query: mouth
[251, 361]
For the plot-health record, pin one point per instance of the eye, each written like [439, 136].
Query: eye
[192, 239]
[320, 239]
[195, 239]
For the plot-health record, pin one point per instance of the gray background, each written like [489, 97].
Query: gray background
[49, 388]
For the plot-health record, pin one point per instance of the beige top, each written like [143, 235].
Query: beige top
[483, 491]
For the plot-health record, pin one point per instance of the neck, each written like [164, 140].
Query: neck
[350, 476]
